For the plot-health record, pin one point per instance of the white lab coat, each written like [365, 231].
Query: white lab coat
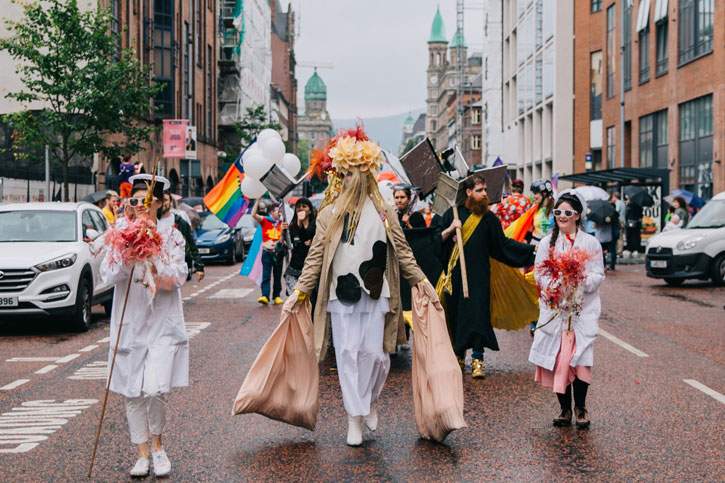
[547, 339]
[153, 352]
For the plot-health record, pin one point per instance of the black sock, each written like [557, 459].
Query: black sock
[580, 393]
[565, 399]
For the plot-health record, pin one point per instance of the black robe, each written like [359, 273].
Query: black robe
[469, 321]
[425, 242]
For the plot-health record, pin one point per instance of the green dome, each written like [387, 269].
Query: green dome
[458, 40]
[437, 30]
[410, 119]
[315, 89]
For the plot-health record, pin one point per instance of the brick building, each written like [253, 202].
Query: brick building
[284, 83]
[674, 66]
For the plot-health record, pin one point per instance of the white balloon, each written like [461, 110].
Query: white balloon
[273, 150]
[252, 188]
[253, 149]
[291, 163]
[266, 134]
[256, 165]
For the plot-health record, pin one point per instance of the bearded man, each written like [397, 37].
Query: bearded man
[469, 320]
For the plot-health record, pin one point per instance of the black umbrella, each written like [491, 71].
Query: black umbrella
[95, 197]
[601, 212]
[638, 196]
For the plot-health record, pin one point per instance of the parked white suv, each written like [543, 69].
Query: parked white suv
[696, 251]
[46, 264]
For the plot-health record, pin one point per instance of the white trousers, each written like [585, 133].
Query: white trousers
[145, 413]
[362, 364]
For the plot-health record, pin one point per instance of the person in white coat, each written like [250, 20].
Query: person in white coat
[564, 358]
[153, 350]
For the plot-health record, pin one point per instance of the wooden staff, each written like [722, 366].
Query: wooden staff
[110, 374]
[461, 255]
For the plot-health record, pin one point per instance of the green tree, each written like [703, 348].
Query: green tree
[249, 126]
[70, 63]
[408, 146]
[303, 152]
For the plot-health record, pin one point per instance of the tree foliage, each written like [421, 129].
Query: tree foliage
[87, 87]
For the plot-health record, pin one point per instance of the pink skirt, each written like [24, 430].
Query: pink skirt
[563, 374]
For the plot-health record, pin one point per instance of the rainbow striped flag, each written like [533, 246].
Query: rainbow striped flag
[252, 266]
[225, 200]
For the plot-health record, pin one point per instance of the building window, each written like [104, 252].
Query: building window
[611, 147]
[476, 113]
[644, 55]
[186, 66]
[548, 71]
[653, 140]
[695, 29]
[209, 105]
[547, 19]
[433, 126]
[116, 25]
[611, 54]
[696, 133]
[627, 67]
[596, 6]
[164, 55]
[476, 142]
[197, 17]
[595, 89]
[661, 48]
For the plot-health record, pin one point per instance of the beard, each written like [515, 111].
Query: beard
[477, 207]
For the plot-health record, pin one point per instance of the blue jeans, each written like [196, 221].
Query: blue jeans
[271, 268]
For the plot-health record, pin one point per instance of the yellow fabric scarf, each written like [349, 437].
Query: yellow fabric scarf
[445, 280]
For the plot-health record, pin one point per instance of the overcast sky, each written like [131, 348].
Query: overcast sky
[379, 50]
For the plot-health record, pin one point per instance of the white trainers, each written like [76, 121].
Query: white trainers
[162, 465]
[371, 420]
[354, 430]
[141, 468]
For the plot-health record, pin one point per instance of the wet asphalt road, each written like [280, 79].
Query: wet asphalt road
[648, 423]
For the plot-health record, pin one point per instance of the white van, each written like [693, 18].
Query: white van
[697, 251]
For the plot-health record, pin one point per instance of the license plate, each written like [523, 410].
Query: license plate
[8, 301]
[658, 263]
[204, 251]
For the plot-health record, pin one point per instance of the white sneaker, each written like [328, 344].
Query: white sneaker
[354, 430]
[371, 420]
[141, 468]
[162, 465]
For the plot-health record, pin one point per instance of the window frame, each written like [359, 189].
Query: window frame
[661, 48]
[644, 60]
[611, 148]
[611, 27]
[690, 18]
[596, 6]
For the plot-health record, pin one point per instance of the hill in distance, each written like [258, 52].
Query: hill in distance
[388, 130]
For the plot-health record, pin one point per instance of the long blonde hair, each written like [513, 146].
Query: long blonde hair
[351, 199]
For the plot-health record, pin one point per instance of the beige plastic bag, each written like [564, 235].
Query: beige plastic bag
[437, 379]
[284, 381]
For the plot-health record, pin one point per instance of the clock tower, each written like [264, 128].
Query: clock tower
[437, 66]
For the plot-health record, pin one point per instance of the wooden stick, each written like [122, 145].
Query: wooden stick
[461, 255]
[110, 373]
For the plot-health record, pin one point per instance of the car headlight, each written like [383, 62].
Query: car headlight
[62, 262]
[222, 238]
[690, 243]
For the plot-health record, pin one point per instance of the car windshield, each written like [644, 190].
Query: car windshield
[211, 222]
[37, 226]
[712, 215]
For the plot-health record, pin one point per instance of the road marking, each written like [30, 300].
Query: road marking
[67, 358]
[88, 348]
[710, 392]
[14, 384]
[231, 293]
[104, 340]
[193, 328]
[32, 359]
[25, 427]
[622, 344]
[46, 369]
[186, 298]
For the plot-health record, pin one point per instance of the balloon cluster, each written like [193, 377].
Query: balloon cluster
[259, 158]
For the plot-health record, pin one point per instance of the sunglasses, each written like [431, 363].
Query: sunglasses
[565, 212]
[138, 201]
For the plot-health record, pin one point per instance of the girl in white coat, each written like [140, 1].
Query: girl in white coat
[153, 350]
[564, 358]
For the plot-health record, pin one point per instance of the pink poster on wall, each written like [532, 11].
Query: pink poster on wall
[175, 138]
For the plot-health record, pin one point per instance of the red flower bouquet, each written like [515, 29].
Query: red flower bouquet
[562, 275]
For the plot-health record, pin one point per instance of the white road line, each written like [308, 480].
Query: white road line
[622, 344]
[32, 359]
[186, 298]
[710, 392]
[88, 348]
[104, 340]
[67, 358]
[231, 293]
[14, 384]
[46, 369]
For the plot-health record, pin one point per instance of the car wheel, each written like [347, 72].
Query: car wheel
[233, 257]
[675, 282]
[718, 270]
[81, 320]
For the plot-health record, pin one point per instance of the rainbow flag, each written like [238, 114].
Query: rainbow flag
[252, 266]
[225, 200]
